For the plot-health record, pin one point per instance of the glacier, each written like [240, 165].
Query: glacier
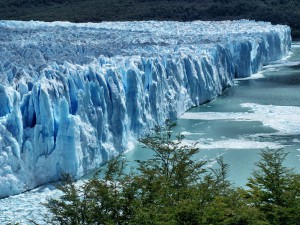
[73, 96]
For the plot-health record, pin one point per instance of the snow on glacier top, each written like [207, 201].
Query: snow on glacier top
[34, 44]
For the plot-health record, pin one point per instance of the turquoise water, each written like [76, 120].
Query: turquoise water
[255, 114]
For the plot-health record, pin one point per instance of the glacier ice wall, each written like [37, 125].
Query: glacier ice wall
[74, 95]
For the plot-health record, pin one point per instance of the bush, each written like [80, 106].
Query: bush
[275, 189]
[174, 187]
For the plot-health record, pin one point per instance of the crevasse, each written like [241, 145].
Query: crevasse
[73, 95]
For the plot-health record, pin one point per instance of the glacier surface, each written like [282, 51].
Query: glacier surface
[74, 95]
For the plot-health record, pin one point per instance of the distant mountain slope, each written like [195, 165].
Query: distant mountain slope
[276, 11]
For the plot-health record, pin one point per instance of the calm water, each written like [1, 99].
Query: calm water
[257, 113]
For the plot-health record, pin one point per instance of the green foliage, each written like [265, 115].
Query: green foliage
[176, 188]
[274, 189]
[172, 161]
[107, 201]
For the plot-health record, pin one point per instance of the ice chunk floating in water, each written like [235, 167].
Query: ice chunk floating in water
[74, 95]
[284, 119]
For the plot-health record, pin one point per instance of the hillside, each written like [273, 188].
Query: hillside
[276, 11]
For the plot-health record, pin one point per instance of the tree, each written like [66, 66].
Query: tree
[172, 188]
[164, 190]
[97, 201]
[275, 189]
[167, 179]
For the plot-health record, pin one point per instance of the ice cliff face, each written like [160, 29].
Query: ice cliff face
[74, 95]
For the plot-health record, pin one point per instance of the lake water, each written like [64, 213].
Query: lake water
[257, 113]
